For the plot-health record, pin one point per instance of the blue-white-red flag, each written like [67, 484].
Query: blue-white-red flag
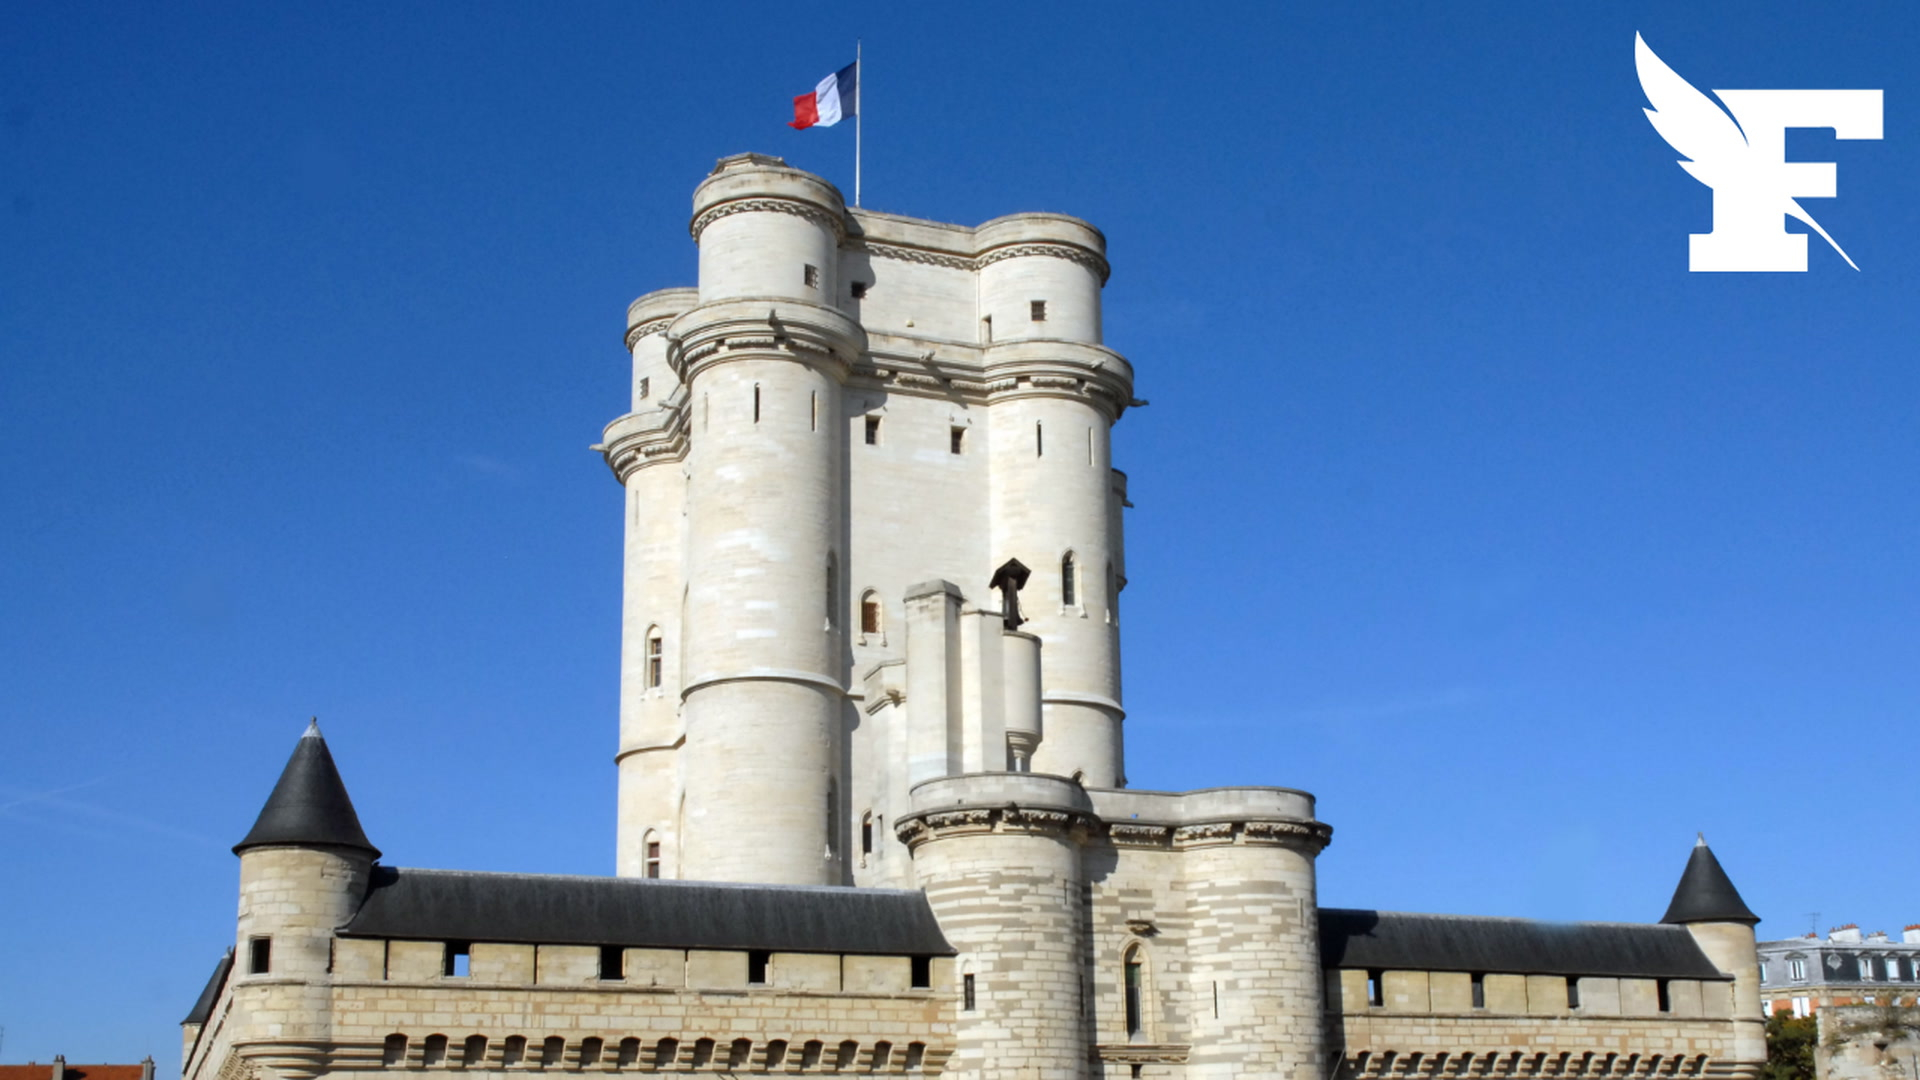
[837, 96]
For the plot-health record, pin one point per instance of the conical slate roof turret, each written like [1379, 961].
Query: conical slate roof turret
[309, 806]
[1705, 893]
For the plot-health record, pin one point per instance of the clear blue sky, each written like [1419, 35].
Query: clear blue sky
[1459, 503]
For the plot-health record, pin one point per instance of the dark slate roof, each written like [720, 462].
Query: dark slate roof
[203, 1006]
[1401, 941]
[453, 905]
[1706, 894]
[309, 805]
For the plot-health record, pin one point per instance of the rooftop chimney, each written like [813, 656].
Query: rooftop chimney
[1911, 935]
[1849, 933]
[59, 1067]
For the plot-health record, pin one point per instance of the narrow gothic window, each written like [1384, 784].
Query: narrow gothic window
[873, 431]
[1132, 972]
[260, 956]
[833, 815]
[1038, 309]
[813, 411]
[956, 439]
[966, 992]
[833, 589]
[986, 330]
[756, 403]
[653, 856]
[1376, 989]
[1662, 995]
[1479, 990]
[656, 657]
[870, 613]
[1069, 591]
[866, 834]
[1039, 443]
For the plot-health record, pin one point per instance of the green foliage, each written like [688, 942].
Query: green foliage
[1790, 1043]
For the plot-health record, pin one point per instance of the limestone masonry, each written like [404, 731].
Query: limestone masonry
[873, 814]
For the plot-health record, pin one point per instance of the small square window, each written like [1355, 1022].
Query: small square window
[922, 972]
[873, 431]
[1039, 310]
[811, 276]
[456, 959]
[859, 289]
[613, 963]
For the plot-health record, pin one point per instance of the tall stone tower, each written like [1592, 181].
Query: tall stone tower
[836, 441]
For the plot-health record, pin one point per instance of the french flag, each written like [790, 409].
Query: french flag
[837, 96]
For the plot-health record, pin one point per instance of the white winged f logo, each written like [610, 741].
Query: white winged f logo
[1743, 158]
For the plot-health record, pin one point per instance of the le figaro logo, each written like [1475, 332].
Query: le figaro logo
[1743, 158]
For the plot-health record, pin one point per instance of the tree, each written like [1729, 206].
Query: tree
[1790, 1043]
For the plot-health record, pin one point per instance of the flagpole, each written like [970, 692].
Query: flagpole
[859, 113]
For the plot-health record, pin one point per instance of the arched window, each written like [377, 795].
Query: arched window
[435, 1050]
[474, 1052]
[1069, 581]
[394, 1052]
[1133, 979]
[869, 613]
[866, 834]
[656, 658]
[653, 854]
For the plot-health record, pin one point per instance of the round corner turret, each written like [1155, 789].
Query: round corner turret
[768, 230]
[1041, 276]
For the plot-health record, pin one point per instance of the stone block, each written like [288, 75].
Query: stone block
[567, 965]
[877, 974]
[1451, 991]
[415, 961]
[1407, 991]
[1639, 997]
[1507, 994]
[359, 959]
[1599, 997]
[500, 963]
[656, 967]
[804, 971]
[714, 970]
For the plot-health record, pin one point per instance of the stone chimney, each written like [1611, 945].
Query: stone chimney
[59, 1067]
[146, 1067]
[1878, 937]
[1911, 935]
[1848, 934]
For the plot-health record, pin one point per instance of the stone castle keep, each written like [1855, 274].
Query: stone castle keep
[873, 813]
